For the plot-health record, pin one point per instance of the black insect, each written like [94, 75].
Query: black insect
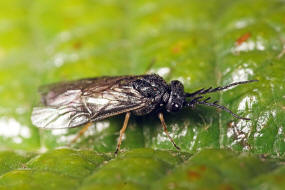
[75, 103]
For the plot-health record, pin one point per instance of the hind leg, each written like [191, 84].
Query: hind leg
[81, 132]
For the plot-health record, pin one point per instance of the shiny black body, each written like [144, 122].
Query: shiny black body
[75, 103]
[169, 96]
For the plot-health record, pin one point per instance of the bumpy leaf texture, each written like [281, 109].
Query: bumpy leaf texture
[201, 43]
[140, 169]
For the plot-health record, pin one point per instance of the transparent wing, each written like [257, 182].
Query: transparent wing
[63, 111]
[59, 92]
[75, 103]
[58, 117]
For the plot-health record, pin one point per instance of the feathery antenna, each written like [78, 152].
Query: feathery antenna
[215, 104]
[197, 100]
[220, 88]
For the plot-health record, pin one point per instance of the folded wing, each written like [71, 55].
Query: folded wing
[72, 104]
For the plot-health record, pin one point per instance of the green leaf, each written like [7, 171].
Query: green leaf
[58, 169]
[217, 169]
[10, 160]
[80, 163]
[201, 43]
[144, 169]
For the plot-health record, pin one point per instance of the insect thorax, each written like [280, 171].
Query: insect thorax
[155, 89]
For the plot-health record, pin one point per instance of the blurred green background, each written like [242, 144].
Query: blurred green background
[201, 43]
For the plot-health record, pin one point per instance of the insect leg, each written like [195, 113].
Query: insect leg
[81, 132]
[122, 131]
[160, 116]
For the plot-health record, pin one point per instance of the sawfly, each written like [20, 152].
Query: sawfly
[81, 102]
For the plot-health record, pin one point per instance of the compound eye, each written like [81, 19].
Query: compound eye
[175, 107]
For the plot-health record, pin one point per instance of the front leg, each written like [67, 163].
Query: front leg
[160, 116]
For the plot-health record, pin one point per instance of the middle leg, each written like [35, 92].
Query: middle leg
[122, 131]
